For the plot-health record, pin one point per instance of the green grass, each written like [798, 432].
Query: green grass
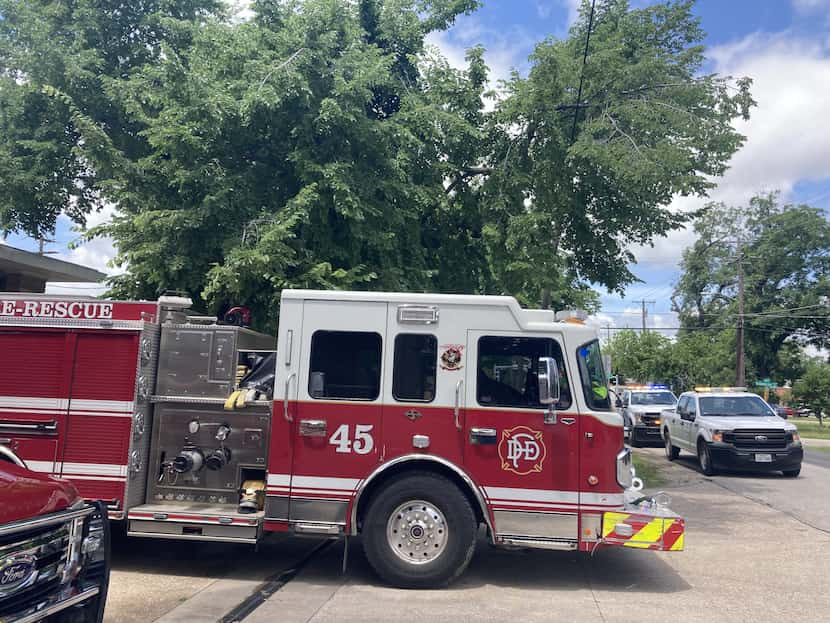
[819, 449]
[647, 471]
[808, 427]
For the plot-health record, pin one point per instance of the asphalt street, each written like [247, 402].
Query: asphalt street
[818, 457]
[756, 547]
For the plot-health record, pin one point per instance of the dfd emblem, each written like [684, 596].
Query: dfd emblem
[522, 450]
[451, 357]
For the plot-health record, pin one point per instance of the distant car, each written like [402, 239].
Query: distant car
[784, 412]
[641, 408]
[54, 549]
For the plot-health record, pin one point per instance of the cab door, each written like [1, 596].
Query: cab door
[336, 428]
[525, 457]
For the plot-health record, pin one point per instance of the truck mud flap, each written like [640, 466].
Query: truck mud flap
[644, 529]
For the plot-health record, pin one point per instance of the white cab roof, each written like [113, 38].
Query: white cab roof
[526, 319]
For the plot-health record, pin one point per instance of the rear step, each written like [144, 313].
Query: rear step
[197, 522]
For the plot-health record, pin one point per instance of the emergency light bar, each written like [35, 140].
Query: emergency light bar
[574, 316]
[417, 314]
[649, 386]
[706, 388]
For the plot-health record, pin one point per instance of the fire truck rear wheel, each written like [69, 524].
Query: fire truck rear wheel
[419, 531]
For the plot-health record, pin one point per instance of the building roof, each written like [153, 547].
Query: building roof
[45, 268]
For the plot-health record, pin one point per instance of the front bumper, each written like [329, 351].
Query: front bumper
[645, 433]
[644, 526]
[727, 456]
[84, 598]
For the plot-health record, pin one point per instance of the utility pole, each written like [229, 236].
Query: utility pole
[645, 311]
[740, 364]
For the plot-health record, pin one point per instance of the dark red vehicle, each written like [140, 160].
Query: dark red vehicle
[54, 550]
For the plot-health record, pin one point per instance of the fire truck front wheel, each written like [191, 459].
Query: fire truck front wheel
[419, 531]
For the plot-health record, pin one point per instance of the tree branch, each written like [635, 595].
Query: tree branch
[466, 173]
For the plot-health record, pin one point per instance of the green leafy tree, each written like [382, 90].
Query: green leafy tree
[322, 144]
[572, 184]
[813, 388]
[639, 357]
[784, 253]
[62, 130]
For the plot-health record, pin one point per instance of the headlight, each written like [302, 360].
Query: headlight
[717, 436]
[796, 437]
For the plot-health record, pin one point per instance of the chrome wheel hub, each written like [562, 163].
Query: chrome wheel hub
[417, 532]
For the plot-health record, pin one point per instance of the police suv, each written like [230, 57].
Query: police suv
[731, 428]
[641, 407]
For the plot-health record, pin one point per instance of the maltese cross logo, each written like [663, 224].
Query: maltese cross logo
[522, 450]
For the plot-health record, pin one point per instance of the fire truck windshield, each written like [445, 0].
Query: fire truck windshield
[594, 379]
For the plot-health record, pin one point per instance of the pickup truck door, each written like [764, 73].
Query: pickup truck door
[690, 431]
[677, 424]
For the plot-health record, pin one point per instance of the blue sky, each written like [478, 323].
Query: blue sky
[784, 45]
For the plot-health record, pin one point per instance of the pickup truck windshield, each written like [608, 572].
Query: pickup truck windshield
[653, 398]
[744, 406]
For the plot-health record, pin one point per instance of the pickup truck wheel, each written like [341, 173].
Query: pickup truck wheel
[705, 458]
[420, 532]
[672, 452]
[792, 473]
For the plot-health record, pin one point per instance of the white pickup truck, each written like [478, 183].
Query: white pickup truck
[730, 428]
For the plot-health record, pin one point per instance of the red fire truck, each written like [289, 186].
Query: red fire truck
[410, 419]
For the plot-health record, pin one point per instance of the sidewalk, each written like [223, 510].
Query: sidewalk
[815, 443]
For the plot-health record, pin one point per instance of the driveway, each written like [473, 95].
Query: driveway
[756, 549]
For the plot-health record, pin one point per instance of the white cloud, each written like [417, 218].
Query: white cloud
[811, 6]
[787, 135]
[573, 9]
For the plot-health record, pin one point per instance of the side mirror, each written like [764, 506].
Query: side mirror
[618, 404]
[548, 376]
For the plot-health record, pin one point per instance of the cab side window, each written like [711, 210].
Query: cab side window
[681, 406]
[416, 362]
[691, 407]
[507, 372]
[345, 365]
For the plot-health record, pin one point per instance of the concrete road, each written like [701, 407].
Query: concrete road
[818, 456]
[152, 578]
[806, 498]
[757, 550]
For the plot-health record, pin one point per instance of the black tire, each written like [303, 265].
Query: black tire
[792, 473]
[672, 452]
[438, 493]
[705, 458]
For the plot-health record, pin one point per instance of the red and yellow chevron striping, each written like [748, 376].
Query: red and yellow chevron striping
[643, 531]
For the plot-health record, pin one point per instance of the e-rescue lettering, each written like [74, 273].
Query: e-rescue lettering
[84, 310]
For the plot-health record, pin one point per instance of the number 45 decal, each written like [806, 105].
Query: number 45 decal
[363, 441]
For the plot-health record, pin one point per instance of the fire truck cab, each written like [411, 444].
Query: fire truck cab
[410, 419]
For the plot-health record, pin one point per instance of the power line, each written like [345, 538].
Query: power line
[582, 72]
